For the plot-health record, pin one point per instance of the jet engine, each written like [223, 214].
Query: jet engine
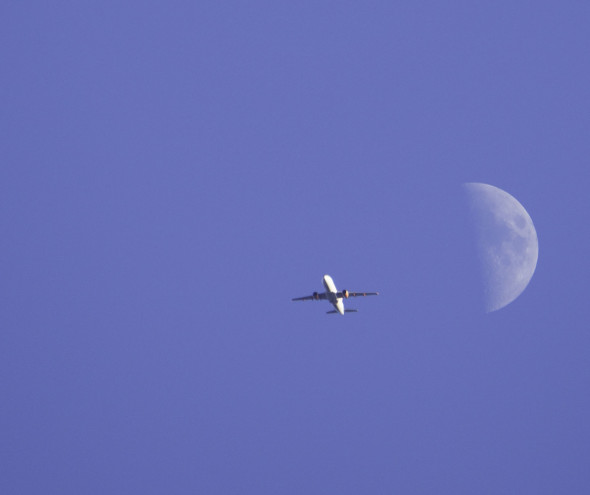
[316, 296]
[345, 293]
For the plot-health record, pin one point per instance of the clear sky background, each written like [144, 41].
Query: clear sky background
[173, 173]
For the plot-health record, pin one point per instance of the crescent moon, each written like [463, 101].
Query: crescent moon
[507, 243]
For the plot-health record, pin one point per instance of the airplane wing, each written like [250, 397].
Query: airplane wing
[347, 294]
[315, 296]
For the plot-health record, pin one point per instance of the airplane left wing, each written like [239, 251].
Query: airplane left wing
[314, 297]
[306, 298]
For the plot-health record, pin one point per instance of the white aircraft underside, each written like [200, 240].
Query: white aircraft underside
[334, 296]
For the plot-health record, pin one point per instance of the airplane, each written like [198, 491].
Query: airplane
[334, 296]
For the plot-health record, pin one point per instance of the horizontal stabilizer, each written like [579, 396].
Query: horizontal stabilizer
[351, 310]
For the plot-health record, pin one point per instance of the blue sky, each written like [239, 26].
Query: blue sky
[173, 174]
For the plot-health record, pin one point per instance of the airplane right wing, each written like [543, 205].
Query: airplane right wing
[347, 294]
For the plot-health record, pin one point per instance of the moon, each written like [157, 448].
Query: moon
[507, 243]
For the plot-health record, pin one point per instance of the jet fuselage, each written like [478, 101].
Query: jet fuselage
[332, 294]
